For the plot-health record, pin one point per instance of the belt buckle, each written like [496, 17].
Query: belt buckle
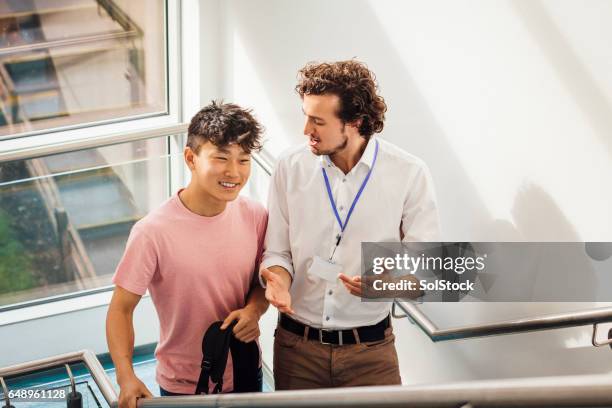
[330, 331]
[321, 336]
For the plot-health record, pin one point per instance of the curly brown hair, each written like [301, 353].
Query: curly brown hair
[356, 87]
[223, 124]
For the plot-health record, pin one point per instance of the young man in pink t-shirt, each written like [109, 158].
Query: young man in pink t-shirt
[197, 255]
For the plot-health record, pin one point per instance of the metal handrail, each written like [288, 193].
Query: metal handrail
[562, 391]
[86, 357]
[551, 321]
[569, 391]
[546, 322]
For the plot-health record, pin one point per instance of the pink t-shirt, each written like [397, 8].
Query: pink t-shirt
[197, 269]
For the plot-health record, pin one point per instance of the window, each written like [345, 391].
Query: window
[68, 63]
[65, 218]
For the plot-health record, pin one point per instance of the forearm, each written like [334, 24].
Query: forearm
[257, 300]
[120, 339]
[283, 274]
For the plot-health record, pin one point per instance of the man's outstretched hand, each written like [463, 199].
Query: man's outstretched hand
[277, 291]
[352, 284]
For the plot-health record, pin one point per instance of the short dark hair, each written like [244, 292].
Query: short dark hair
[356, 87]
[223, 124]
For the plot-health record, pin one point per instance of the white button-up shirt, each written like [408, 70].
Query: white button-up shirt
[302, 225]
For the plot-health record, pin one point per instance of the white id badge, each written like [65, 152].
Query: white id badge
[324, 269]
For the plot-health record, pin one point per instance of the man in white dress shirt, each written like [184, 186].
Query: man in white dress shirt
[344, 187]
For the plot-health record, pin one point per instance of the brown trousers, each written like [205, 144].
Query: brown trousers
[304, 364]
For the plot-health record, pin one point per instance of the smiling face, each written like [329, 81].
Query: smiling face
[326, 132]
[219, 172]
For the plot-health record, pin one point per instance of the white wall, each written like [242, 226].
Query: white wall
[509, 103]
[35, 337]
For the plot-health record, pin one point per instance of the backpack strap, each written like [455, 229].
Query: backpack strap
[245, 361]
[215, 348]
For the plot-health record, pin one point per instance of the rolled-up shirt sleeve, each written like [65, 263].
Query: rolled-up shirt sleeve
[277, 247]
[420, 220]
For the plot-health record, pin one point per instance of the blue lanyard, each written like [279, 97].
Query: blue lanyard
[333, 203]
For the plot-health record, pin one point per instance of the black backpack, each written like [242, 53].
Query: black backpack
[245, 358]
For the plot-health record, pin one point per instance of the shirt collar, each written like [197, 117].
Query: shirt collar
[366, 158]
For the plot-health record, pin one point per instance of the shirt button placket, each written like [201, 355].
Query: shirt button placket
[328, 306]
